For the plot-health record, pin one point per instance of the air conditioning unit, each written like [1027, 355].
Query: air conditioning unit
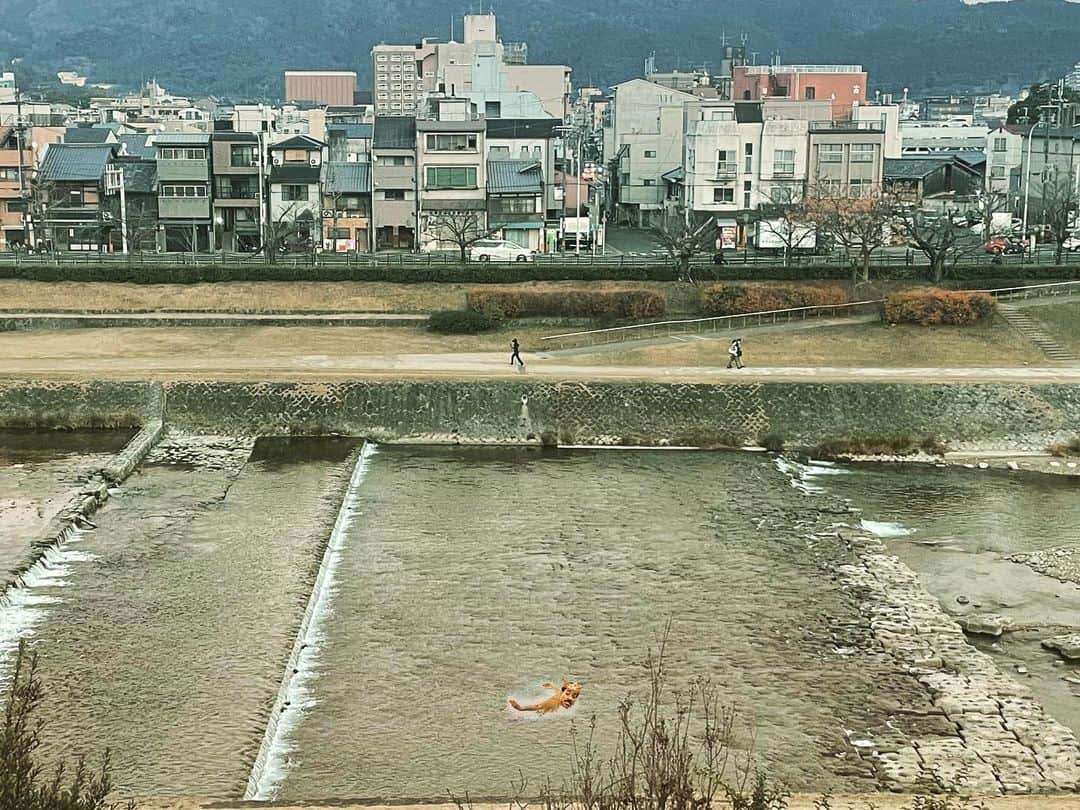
[277, 161]
[314, 161]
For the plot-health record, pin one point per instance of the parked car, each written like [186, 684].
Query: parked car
[499, 250]
[1072, 244]
[1005, 244]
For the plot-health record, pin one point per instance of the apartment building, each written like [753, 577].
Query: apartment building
[16, 173]
[237, 195]
[1004, 157]
[393, 186]
[398, 77]
[846, 157]
[184, 178]
[451, 165]
[646, 140]
[294, 189]
[844, 86]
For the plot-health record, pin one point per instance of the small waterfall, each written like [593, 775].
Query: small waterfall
[271, 764]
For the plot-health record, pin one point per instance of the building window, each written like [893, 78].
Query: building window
[451, 176]
[997, 172]
[648, 182]
[830, 153]
[723, 115]
[502, 152]
[296, 156]
[243, 155]
[381, 57]
[394, 194]
[396, 160]
[861, 188]
[748, 149]
[650, 153]
[294, 193]
[725, 163]
[784, 162]
[746, 199]
[456, 142]
[725, 194]
[810, 93]
[177, 190]
[514, 205]
[493, 109]
[176, 153]
[75, 198]
[1000, 144]
[862, 152]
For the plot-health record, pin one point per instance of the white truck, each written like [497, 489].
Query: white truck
[780, 235]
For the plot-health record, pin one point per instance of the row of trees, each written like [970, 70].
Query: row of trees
[861, 225]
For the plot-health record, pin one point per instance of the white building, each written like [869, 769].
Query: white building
[1004, 156]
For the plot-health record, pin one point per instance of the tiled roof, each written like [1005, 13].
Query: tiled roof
[394, 132]
[87, 135]
[522, 127]
[72, 162]
[676, 175]
[137, 146]
[296, 173]
[514, 176]
[297, 142]
[181, 138]
[347, 178]
[913, 168]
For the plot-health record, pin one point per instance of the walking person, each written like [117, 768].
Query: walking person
[515, 354]
[735, 353]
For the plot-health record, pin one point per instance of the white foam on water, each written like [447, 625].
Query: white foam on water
[885, 529]
[25, 606]
[272, 762]
[804, 477]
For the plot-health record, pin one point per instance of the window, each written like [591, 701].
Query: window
[339, 233]
[176, 190]
[514, 205]
[784, 162]
[396, 160]
[723, 195]
[451, 142]
[381, 57]
[861, 188]
[493, 109]
[648, 182]
[175, 153]
[10, 174]
[650, 153]
[810, 93]
[296, 156]
[748, 149]
[1000, 144]
[396, 57]
[16, 206]
[746, 199]
[500, 152]
[863, 152]
[725, 162]
[997, 171]
[394, 194]
[830, 153]
[723, 115]
[243, 155]
[294, 193]
[451, 177]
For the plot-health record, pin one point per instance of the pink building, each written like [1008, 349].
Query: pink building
[844, 85]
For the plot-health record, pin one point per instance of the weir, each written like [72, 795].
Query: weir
[269, 767]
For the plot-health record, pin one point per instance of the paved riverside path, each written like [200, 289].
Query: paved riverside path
[488, 365]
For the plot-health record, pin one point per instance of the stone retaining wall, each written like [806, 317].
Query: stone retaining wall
[963, 415]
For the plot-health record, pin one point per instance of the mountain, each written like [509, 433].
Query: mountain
[242, 47]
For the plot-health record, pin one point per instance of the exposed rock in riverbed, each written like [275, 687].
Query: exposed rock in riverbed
[1060, 563]
[1068, 646]
[985, 624]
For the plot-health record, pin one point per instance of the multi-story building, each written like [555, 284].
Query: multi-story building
[16, 174]
[322, 87]
[452, 168]
[1004, 157]
[183, 174]
[515, 197]
[646, 142]
[69, 194]
[927, 137]
[295, 196]
[140, 215]
[394, 187]
[238, 172]
[846, 157]
[842, 85]
[534, 140]
[349, 143]
[398, 77]
[346, 214]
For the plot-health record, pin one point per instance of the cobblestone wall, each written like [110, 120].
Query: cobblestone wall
[964, 415]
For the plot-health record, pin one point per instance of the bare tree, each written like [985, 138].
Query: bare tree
[1058, 203]
[939, 238]
[859, 224]
[988, 203]
[787, 218]
[140, 221]
[280, 234]
[683, 238]
[463, 228]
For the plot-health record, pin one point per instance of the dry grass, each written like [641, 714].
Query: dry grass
[873, 345]
[1062, 321]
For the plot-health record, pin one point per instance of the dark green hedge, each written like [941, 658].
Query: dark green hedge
[461, 322]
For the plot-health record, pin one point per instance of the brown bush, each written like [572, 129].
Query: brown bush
[932, 307]
[737, 299]
[566, 303]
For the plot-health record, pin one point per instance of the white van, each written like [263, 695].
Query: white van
[499, 250]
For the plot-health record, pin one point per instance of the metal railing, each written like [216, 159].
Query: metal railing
[642, 331]
[1036, 291]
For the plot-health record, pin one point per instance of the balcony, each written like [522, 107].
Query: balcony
[236, 193]
[783, 170]
[726, 170]
[191, 170]
[847, 126]
[183, 208]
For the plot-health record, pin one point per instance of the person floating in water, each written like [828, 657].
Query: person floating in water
[515, 354]
[735, 353]
[564, 698]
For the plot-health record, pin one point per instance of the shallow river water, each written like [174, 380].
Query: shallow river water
[469, 576]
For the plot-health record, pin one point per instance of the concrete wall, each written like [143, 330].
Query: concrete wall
[964, 415]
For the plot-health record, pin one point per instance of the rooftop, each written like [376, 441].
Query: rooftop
[522, 127]
[347, 178]
[514, 176]
[394, 132]
[913, 168]
[763, 70]
[87, 134]
[181, 138]
[74, 162]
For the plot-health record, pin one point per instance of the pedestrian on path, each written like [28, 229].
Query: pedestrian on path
[735, 353]
[515, 354]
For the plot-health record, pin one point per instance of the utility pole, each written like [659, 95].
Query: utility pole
[27, 219]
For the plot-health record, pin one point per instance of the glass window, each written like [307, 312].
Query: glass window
[650, 153]
[862, 152]
[997, 171]
[725, 162]
[178, 153]
[451, 177]
[296, 156]
[810, 93]
[500, 151]
[724, 195]
[451, 142]
[177, 190]
[748, 149]
[784, 161]
[830, 152]
[243, 155]
[294, 193]
[394, 194]
[1000, 144]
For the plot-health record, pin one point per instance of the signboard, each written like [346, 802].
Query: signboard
[727, 237]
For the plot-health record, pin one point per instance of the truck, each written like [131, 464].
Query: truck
[779, 235]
